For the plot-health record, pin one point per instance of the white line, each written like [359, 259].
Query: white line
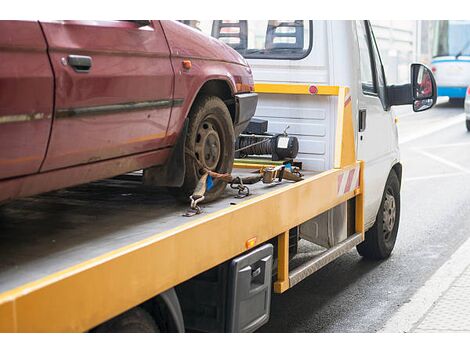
[451, 121]
[449, 145]
[428, 177]
[411, 313]
[443, 161]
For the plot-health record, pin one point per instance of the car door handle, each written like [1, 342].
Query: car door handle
[362, 119]
[80, 63]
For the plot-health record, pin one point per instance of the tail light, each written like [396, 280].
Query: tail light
[468, 90]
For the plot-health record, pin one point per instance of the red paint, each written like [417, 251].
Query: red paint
[26, 88]
[129, 64]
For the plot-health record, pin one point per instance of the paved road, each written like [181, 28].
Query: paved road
[355, 295]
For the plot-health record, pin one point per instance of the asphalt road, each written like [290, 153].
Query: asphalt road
[356, 295]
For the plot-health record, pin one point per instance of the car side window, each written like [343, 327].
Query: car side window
[379, 74]
[367, 78]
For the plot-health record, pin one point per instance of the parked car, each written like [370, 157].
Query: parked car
[86, 100]
[467, 108]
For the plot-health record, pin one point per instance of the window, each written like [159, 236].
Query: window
[367, 79]
[372, 72]
[270, 39]
[379, 74]
[452, 38]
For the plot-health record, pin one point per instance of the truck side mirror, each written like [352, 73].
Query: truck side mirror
[423, 86]
[421, 92]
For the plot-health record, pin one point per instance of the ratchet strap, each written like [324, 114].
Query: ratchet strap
[267, 175]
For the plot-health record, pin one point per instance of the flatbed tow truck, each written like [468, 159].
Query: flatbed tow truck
[72, 260]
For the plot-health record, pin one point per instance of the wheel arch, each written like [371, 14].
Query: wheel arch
[220, 88]
[398, 168]
[166, 310]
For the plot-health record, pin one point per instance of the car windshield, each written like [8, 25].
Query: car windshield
[452, 38]
[263, 39]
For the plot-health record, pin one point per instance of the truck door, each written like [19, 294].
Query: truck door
[26, 98]
[114, 85]
[375, 131]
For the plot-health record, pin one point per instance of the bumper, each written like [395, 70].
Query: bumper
[467, 107]
[451, 92]
[245, 110]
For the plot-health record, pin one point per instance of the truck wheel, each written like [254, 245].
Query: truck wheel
[380, 238]
[467, 122]
[209, 145]
[136, 320]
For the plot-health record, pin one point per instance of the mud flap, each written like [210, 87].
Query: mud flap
[172, 173]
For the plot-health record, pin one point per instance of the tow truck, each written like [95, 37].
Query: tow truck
[115, 256]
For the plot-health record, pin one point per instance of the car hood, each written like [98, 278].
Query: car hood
[189, 42]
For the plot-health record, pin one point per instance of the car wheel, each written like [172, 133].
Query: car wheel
[380, 238]
[136, 320]
[209, 145]
[467, 122]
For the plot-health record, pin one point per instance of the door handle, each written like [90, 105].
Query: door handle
[80, 63]
[362, 119]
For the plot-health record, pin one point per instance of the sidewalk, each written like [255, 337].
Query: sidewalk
[451, 312]
[442, 304]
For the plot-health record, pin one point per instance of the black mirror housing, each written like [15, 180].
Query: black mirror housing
[424, 87]
[421, 92]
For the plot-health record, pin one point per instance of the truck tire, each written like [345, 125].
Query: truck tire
[210, 143]
[467, 122]
[136, 320]
[380, 238]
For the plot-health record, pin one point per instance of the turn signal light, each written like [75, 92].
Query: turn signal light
[187, 64]
[250, 243]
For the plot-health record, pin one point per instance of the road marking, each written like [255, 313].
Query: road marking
[443, 161]
[451, 121]
[428, 177]
[449, 145]
[412, 312]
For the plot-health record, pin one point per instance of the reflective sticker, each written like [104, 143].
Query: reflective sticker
[313, 89]
[282, 142]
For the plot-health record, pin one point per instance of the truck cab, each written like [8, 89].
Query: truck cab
[328, 54]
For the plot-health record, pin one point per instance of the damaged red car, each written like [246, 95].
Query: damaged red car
[87, 100]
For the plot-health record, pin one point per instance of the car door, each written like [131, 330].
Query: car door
[114, 86]
[375, 122]
[26, 98]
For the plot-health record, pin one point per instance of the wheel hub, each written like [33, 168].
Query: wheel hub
[389, 214]
[207, 148]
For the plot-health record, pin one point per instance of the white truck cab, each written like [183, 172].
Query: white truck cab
[332, 53]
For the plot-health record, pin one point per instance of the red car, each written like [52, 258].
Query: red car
[86, 100]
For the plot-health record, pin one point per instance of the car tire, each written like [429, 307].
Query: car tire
[211, 141]
[467, 122]
[136, 320]
[381, 237]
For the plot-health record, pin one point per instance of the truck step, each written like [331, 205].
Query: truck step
[318, 262]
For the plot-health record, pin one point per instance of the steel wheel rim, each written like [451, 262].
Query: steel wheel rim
[207, 148]
[389, 214]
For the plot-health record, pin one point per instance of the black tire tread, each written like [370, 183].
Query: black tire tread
[135, 320]
[197, 112]
[371, 247]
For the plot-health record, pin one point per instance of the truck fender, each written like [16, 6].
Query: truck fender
[174, 316]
